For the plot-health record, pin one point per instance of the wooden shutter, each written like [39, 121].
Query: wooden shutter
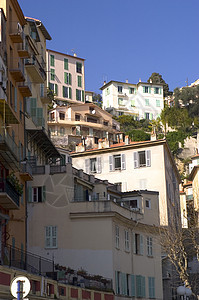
[160, 91]
[143, 287]
[143, 89]
[47, 236]
[52, 60]
[56, 90]
[65, 77]
[134, 243]
[83, 96]
[87, 165]
[15, 98]
[70, 78]
[30, 194]
[151, 284]
[123, 162]
[151, 116]
[77, 95]
[116, 282]
[149, 90]
[99, 165]
[43, 193]
[136, 162]
[65, 63]
[141, 245]
[138, 286]
[70, 93]
[111, 163]
[132, 285]
[54, 236]
[148, 158]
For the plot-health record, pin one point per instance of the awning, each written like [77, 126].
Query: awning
[42, 140]
[7, 113]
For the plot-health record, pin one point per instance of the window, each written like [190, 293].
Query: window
[107, 91]
[62, 131]
[148, 203]
[132, 103]
[147, 89]
[65, 63]
[79, 81]
[106, 123]
[93, 165]
[147, 102]
[52, 60]
[126, 240]
[147, 116]
[51, 237]
[157, 103]
[117, 162]
[67, 78]
[78, 95]
[117, 282]
[149, 246]
[77, 117]
[134, 203]
[120, 101]
[151, 284]
[62, 116]
[52, 74]
[37, 194]
[53, 87]
[120, 113]
[117, 237]
[78, 67]
[156, 90]
[138, 244]
[65, 92]
[131, 90]
[140, 286]
[119, 88]
[142, 159]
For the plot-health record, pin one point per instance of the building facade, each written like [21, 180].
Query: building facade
[143, 100]
[136, 165]
[65, 77]
[86, 123]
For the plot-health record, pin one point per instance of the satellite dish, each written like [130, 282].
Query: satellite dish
[93, 111]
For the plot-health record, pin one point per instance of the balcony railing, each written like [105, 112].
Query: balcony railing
[17, 70]
[24, 49]
[17, 258]
[7, 142]
[9, 197]
[38, 170]
[57, 169]
[16, 32]
[36, 70]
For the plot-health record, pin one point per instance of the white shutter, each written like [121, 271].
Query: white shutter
[99, 165]
[136, 163]
[148, 158]
[87, 165]
[110, 163]
[123, 162]
[141, 245]
[54, 236]
[48, 234]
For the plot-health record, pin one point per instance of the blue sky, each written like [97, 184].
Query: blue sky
[124, 39]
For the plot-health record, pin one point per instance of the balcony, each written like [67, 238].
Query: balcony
[57, 169]
[9, 198]
[16, 32]
[24, 49]
[38, 170]
[17, 70]
[25, 88]
[9, 152]
[35, 69]
[26, 171]
[44, 95]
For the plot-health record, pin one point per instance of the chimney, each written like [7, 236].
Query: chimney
[103, 143]
[75, 54]
[140, 80]
[150, 80]
[126, 140]
[104, 82]
[80, 148]
[127, 81]
[153, 136]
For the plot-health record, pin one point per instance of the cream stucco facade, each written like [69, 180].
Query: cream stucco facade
[138, 165]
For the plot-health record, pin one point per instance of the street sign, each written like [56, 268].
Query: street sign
[20, 287]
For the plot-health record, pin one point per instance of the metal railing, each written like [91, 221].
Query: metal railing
[23, 260]
[7, 139]
[7, 187]
[17, 64]
[37, 170]
[57, 169]
[34, 61]
[26, 167]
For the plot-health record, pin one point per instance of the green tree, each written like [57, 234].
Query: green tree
[138, 135]
[97, 99]
[157, 78]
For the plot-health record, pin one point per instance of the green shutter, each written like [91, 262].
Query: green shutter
[160, 90]
[149, 90]
[133, 285]
[139, 286]
[56, 90]
[39, 116]
[63, 90]
[33, 107]
[83, 96]
[43, 193]
[52, 74]
[52, 60]
[15, 97]
[79, 79]
[65, 77]
[77, 98]
[70, 93]
[143, 287]
[143, 89]
[135, 91]
[70, 78]
[151, 116]
[116, 283]
[65, 64]
[30, 194]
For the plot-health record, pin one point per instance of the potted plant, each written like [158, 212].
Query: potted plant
[14, 181]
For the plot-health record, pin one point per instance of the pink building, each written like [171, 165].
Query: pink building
[66, 77]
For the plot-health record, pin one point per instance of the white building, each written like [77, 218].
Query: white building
[143, 100]
[136, 166]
